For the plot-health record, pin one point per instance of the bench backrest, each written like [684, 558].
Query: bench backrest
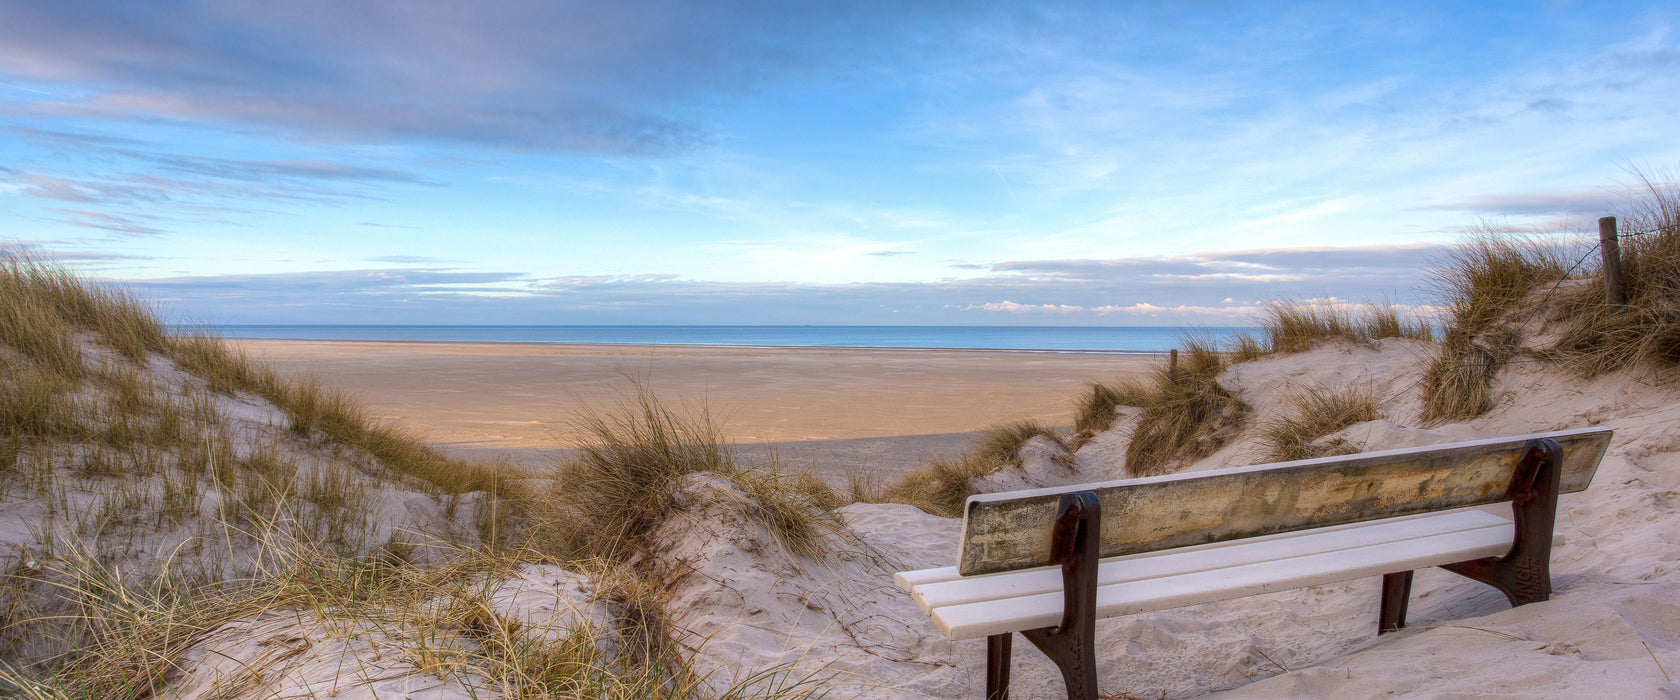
[1008, 531]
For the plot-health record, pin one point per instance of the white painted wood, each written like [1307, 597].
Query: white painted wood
[985, 618]
[973, 589]
[909, 580]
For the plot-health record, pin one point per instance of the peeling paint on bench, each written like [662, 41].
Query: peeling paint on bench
[1006, 532]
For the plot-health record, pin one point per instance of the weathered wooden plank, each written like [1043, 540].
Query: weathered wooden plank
[1009, 531]
[909, 580]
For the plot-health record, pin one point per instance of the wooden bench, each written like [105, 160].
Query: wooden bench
[1141, 545]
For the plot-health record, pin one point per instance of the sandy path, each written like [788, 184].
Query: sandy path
[880, 409]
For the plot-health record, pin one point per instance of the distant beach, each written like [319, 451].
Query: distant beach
[1136, 339]
[884, 410]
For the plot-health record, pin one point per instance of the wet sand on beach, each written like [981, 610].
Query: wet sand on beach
[878, 411]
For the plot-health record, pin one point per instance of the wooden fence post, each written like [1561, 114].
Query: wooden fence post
[1612, 250]
[1172, 363]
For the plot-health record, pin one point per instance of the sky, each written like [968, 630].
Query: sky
[720, 162]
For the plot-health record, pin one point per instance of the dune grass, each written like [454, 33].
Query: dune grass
[943, 484]
[1317, 412]
[939, 486]
[607, 498]
[1491, 284]
[119, 452]
[127, 462]
[1479, 283]
[79, 361]
[1643, 332]
[132, 637]
[1293, 327]
[46, 313]
[329, 417]
[1096, 409]
[1185, 414]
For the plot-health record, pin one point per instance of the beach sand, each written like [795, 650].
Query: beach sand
[880, 411]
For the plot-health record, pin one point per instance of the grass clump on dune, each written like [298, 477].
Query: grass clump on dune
[1097, 408]
[1185, 414]
[1294, 327]
[608, 497]
[1318, 412]
[1479, 283]
[1645, 330]
[942, 485]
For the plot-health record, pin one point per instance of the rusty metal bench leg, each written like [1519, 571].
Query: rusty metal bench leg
[1397, 592]
[1525, 574]
[997, 665]
[1072, 644]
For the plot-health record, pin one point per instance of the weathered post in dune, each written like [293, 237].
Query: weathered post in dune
[1612, 250]
[1172, 362]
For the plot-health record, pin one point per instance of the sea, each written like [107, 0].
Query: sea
[1094, 339]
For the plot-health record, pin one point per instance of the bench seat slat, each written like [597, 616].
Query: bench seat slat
[909, 580]
[973, 589]
[973, 620]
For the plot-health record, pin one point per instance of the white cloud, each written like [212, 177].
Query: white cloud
[1012, 307]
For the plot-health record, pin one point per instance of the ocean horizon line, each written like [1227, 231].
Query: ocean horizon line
[1115, 339]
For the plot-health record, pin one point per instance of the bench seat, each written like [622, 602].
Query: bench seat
[967, 607]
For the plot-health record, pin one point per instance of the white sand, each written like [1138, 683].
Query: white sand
[749, 607]
[1615, 616]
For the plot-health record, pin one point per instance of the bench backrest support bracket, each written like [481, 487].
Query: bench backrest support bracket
[1524, 575]
[1072, 644]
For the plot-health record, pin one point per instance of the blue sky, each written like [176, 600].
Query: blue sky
[413, 161]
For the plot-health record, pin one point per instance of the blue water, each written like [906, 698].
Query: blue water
[1047, 338]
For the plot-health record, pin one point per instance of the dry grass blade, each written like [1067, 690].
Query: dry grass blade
[1317, 412]
[1479, 283]
[609, 495]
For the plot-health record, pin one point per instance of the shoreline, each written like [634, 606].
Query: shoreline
[721, 346]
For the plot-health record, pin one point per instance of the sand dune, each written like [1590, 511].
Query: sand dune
[260, 487]
[745, 604]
